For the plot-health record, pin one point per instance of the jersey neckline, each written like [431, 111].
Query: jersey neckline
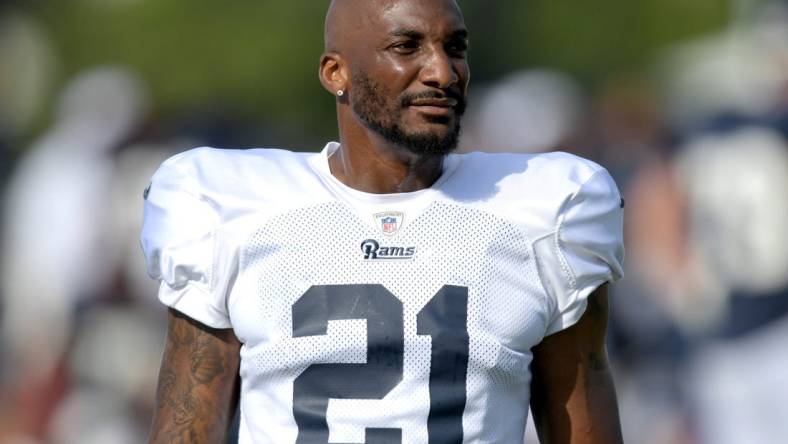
[319, 163]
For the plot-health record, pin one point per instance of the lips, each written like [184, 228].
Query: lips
[439, 103]
[438, 107]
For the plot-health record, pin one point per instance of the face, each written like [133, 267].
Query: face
[409, 77]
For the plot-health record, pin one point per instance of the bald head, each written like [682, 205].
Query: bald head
[349, 21]
[338, 17]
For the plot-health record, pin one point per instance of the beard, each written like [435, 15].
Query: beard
[370, 105]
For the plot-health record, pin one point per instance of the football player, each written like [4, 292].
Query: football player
[385, 290]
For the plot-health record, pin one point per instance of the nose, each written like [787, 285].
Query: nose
[439, 70]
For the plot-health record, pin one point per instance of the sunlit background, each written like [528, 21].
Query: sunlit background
[684, 101]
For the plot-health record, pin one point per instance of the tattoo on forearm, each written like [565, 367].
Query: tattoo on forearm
[597, 362]
[206, 362]
[196, 361]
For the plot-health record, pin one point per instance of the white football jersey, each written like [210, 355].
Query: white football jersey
[382, 318]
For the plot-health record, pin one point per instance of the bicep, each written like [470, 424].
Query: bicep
[197, 389]
[572, 393]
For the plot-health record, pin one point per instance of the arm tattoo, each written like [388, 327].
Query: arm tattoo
[597, 362]
[196, 384]
[206, 361]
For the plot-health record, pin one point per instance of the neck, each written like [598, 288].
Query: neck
[366, 162]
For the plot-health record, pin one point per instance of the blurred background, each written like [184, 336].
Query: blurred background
[685, 102]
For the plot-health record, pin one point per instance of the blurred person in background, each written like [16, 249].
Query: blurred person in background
[738, 223]
[528, 112]
[257, 251]
[707, 242]
[56, 243]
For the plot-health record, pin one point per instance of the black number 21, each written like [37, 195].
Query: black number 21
[444, 318]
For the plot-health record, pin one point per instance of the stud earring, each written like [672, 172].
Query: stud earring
[341, 92]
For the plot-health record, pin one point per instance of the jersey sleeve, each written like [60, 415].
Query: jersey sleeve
[179, 240]
[585, 251]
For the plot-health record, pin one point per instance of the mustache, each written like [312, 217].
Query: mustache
[408, 99]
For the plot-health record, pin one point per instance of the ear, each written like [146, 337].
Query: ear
[333, 73]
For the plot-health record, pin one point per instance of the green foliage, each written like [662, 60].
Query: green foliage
[260, 57]
[590, 39]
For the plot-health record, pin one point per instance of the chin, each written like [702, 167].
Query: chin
[431, 142]
[419, 134]
[416, 119]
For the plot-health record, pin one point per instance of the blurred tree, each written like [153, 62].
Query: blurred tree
[260, 57]
[591, 40]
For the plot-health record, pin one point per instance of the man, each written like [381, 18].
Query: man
[384, 290]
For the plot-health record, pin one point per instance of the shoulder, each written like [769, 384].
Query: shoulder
[537, 189]
[571, 210]
[236, 181]
[213, 165]
[555, 168]
[227, 156]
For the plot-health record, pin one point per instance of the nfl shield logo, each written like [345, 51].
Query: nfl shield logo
[389, 222]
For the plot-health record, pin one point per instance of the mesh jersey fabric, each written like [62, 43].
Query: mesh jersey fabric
[350, 331]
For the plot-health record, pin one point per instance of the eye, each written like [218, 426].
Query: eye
[406, 47]
[457, 48]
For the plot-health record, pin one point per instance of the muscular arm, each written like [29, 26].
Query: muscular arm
[572, 394]
[198, 390]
